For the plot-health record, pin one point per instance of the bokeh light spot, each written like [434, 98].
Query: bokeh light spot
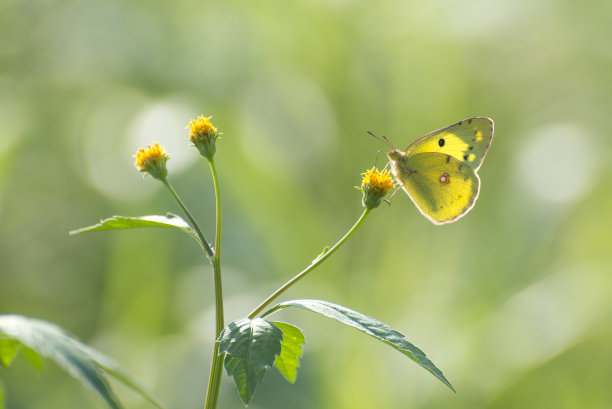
[557, 163]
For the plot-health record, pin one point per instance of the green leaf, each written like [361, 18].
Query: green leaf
[109, 366]
[122, 222]
[32, 356]
[368, 325]
[85, 364]
[8, 351]
[250, 347]
[287, 361]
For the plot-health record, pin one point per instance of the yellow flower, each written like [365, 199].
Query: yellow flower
[153, 161]
[375, 186]
[203, 135]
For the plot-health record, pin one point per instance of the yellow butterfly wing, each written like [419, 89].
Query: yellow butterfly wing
[441, 186]
[468, 141]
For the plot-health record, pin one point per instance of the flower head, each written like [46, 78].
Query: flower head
[375, 186]
[203, 135]
[153, 161]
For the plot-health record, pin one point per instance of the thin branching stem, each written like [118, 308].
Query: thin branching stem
[194, 224]
[320, 258]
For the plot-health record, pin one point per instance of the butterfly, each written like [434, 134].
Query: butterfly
[438, 170]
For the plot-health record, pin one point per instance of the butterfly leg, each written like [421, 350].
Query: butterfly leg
[395, 191]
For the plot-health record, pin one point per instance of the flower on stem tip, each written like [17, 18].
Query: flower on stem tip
[375, 186]
[203, 135]
[152, 161]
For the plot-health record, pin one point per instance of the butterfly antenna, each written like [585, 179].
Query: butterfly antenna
[376, 158]
[383, 139]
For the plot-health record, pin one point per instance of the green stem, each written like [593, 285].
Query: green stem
[194, 224]
[311, 267]
[217, 256]
[214, 379]
[216, 368]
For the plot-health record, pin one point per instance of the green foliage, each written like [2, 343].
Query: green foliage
[251, 346]
[32, 356]
[37, 337]
[287, 361]
[8, 351]
[368, 325]
[122, 222]
[9, 348]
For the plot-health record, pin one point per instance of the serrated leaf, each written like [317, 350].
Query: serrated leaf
[287, 361]
[85, 364]
[122, 222]
[250, 347]
[368, 325]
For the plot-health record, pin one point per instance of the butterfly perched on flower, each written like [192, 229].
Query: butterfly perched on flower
[438, 170]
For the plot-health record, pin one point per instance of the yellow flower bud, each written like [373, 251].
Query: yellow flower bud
[203, 135]
[152, 161]
[375, 186]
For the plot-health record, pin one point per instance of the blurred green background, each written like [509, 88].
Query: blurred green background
[513, 302]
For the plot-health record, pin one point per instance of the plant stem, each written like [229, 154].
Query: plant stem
[320, 258]
[194, 224]
[216, 368]
[217, 256]
[214, 379]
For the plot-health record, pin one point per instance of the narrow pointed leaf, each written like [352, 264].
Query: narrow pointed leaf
[368, 325]
[50, 341]
[250, 347]
[122, 222]
[287, 361]
[109, 366]
[85, 364]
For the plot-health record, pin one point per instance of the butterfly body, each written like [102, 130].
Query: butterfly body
[438, 170]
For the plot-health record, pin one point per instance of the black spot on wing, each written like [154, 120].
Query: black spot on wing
[441, 142]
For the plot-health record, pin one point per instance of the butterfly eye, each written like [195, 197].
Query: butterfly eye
[445, 178]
